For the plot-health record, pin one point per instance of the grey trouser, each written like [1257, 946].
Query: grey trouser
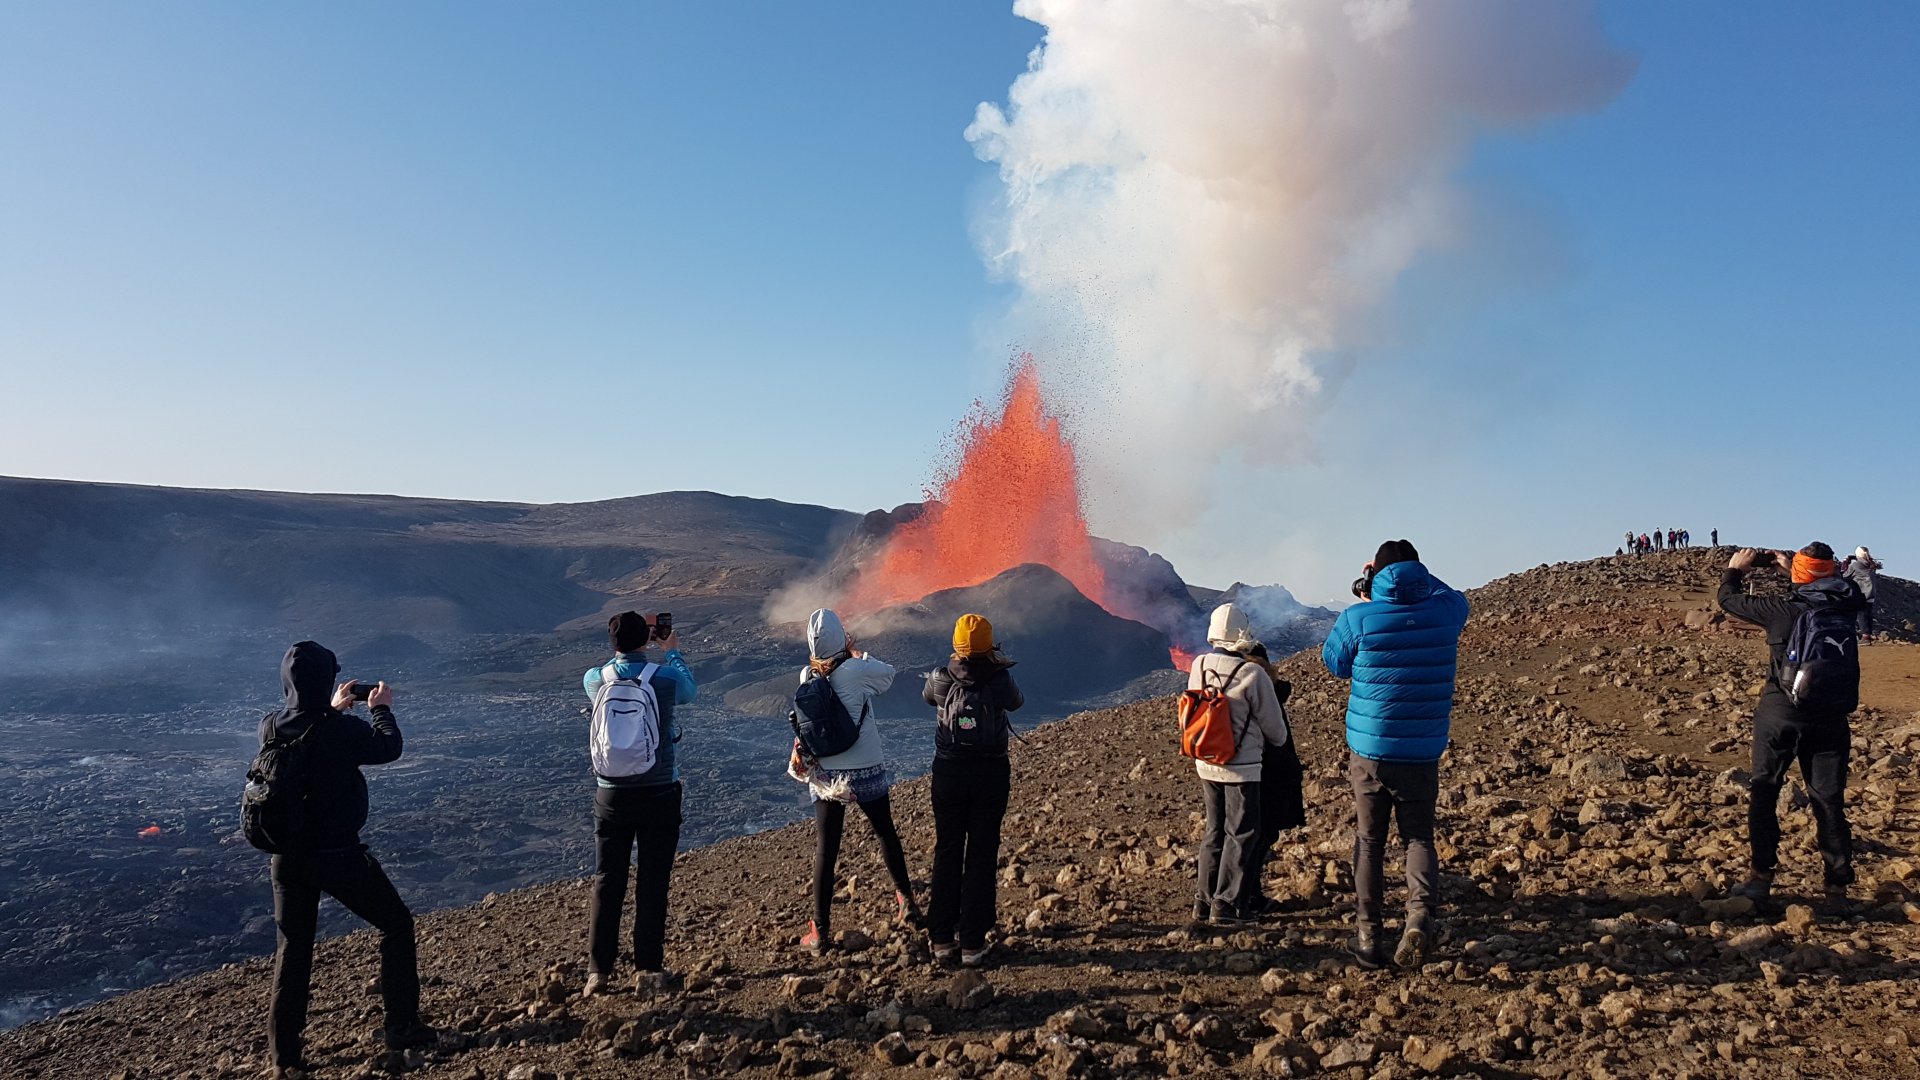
[1404, 791]
[1228, 854]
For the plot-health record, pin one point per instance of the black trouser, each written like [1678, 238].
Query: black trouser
[1280, 810]
[1866, 619]
[624, 817]
[1227, 855]
[1406, 792]
[1821, 748]
[355, 879]
[967, 809]
[829, 821]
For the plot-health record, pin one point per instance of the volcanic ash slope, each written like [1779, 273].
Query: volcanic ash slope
[1593, 819]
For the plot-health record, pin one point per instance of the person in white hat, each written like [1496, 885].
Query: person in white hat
[1861, 569]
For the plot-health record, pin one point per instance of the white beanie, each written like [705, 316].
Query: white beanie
[1861, 553]
[1228, 629]
[826, 638]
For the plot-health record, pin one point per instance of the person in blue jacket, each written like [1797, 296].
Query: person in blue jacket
[638, 812]
[1400, 646]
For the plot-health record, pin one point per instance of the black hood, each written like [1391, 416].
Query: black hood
[306, 674]
[976, 670]
[1834, 592]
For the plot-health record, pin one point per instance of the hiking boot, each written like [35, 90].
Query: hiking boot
[974, 958]
[1261, 907]
[1836, 883]
[908, 912]
[1756, 888]
[1225, 915]
[944, 952]
[596, 984]
[1412, 950]
[815, 939]
[414, 1036]
[1364, 946]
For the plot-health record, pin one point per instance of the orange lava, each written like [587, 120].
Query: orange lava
[1010, 496]
[1182, 659]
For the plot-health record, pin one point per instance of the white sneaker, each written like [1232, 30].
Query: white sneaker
[596, 984]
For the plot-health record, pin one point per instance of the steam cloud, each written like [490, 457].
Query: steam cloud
[1202, 200]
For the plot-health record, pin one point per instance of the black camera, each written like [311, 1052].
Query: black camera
[1363, 586]
[362, 689]
[663, 626]
[1765, 560]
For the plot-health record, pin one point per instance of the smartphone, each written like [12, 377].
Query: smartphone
[662, 625]
[363, 689]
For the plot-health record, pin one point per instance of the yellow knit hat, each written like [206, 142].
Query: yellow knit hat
[972, 636]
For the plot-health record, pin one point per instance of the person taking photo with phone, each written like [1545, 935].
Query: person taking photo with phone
[845, 762]
[320, 850]
[1812, 687]
[633, 738]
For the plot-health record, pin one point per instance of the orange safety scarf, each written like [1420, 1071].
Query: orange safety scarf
[1806, 568]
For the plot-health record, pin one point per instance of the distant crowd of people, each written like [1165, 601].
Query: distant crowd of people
[306, 799]
[1661, 540]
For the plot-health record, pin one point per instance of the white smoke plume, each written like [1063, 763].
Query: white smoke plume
[1203, 200]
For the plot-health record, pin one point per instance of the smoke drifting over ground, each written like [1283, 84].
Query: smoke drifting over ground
[1204, 199]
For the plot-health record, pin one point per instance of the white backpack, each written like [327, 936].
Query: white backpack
[626, 723]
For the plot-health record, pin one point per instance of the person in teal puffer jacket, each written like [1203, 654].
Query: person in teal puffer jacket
[1400, 646]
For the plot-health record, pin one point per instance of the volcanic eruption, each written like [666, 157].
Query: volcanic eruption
[1008, 495]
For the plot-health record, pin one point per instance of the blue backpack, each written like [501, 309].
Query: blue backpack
[1820, 667]
[821, 720]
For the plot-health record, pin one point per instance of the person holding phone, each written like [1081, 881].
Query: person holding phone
[1794, 722]
[635, 808]
[331, 859]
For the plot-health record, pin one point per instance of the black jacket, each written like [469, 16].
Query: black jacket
[337, 745]
[999, 687]
[1777, 615]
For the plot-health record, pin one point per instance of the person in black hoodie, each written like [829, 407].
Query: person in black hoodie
[972, 781]
[1784, 732]
[333, 860]
[1282, 798]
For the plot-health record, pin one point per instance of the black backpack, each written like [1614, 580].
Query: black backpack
[1820, 667]
[821, 720]
[273, 808]
[971, 721]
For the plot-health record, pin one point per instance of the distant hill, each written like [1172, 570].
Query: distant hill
[120, 554]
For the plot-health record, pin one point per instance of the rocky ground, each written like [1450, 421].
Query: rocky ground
[1593, 820]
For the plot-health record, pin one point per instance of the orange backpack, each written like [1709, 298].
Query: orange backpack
[1206, 721]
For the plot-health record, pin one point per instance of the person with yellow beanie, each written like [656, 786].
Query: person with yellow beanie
[972, 781]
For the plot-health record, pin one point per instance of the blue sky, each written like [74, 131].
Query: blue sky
[475, 250]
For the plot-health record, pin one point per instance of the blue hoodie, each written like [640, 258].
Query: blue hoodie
[1400, 649]
[672, 685]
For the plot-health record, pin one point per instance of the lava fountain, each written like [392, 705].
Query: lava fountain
[1009, 495]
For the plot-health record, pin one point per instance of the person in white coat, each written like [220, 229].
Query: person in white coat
[1230, 852]
[858, 775]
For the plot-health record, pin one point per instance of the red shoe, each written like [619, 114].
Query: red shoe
[815, 940]
[908, 914]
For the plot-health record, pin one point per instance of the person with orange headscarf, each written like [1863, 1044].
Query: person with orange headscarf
[1813, 685]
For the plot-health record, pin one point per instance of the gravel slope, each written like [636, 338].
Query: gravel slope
[1592, 820]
